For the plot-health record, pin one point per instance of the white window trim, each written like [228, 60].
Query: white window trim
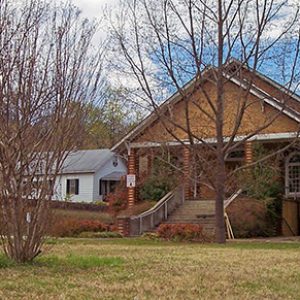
[287, 179]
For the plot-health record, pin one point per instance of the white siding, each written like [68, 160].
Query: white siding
[86, 182]
[106, 169]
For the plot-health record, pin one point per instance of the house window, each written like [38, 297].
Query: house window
[101, 187]
[106, 187]
[73, 186]
[236, 155]
[51, 187]
[292, 174]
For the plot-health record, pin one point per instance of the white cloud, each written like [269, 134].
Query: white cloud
[94, 8]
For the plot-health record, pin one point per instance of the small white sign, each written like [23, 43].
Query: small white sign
[130, 180]
[28, 217]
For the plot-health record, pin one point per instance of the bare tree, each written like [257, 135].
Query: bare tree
[167, 43]
[48, 73]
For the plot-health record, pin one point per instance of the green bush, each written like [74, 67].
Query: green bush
[100, 203]
[161, 181]
[154, 188]
[262, 182]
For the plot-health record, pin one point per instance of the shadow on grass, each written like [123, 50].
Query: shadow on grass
[70, 261]
[140, 241]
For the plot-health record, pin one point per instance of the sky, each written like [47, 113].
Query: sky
[94, 8]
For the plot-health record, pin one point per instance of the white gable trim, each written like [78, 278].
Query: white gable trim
[257, 137]
[259, 93]
[254, 91]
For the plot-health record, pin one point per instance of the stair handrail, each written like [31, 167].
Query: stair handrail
[156, 207]
[228, 201]
[159, 212]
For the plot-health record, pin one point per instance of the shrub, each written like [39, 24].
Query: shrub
[100, 203]
[262, 183]
[155, 187]
[162, 179]
[251, 218]
[181, 232]
[152, 236]
[73, 227]
[262, 180]
[118, 199]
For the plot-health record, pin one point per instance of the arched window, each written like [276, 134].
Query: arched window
[292, 175]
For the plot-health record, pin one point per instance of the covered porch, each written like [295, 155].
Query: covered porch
[143, 156]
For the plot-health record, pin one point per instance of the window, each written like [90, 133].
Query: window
[236, 155]
[51, 186]
[101, 187]
[73, 186]
[292, 174]
[106, 187]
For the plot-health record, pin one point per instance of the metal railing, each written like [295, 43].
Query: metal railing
[149, 219]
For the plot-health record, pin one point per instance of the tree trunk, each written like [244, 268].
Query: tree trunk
[219, 205]
[220, 168]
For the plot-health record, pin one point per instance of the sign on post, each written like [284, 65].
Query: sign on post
[130, 180]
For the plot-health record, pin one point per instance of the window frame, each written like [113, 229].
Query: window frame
[72, 190]
[288, 165]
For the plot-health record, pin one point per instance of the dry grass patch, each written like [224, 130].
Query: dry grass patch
[139, 269]
[83, 215]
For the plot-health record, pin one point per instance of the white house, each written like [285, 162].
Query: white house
[89, 175]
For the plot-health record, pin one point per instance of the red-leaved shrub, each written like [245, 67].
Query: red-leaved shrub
[72, 227]
[118, 199]
[181, 232]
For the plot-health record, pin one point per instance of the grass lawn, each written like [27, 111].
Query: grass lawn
[139, 269]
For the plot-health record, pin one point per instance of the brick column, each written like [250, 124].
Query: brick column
[123, 225]
[248, 152]
[187, 172]
[132, 169]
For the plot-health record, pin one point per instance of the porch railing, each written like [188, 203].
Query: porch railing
[149, 219]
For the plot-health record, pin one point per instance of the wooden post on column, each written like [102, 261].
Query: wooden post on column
[131, 196]
[149, 163]
[248, 152]
[137, 175]
[187, 172]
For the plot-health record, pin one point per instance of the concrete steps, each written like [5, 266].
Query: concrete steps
[195, 212]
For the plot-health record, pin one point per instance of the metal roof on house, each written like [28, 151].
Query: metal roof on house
[86, 161]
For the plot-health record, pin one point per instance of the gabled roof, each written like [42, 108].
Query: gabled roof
[153, 116]
[86, 161]
[290, 109]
